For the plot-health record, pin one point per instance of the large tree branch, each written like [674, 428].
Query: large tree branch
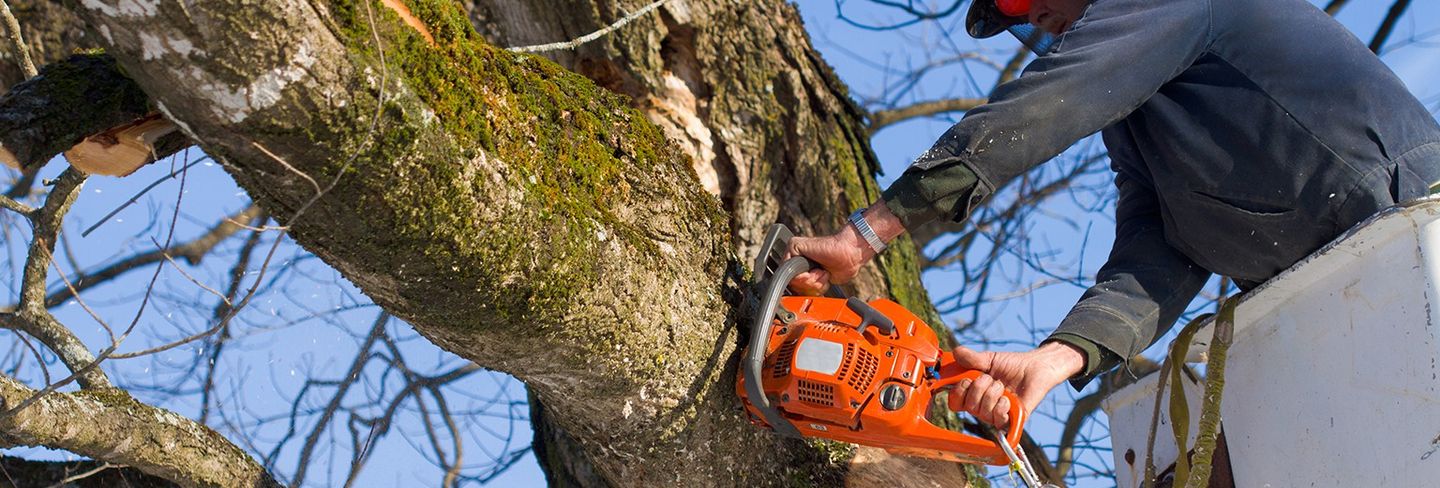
[508, 209]
[107, 425]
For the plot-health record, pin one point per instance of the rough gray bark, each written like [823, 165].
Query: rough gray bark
[518, 216]
[164, 443]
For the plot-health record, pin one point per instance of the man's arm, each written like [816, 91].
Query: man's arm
[1142, 289]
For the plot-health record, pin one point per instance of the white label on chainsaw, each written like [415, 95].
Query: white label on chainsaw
[819, 356]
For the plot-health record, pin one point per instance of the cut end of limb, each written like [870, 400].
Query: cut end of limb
[9, 158]
[410, 19]
[121, 150]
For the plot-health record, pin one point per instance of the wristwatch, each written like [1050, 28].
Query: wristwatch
[857, 220]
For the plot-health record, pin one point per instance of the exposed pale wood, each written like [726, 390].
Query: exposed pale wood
[120, 150]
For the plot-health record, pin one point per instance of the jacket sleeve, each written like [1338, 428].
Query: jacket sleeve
[1142, 289]
[1107, 64]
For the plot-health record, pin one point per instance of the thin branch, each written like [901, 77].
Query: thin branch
[916, 15]
[136, 197]
[1397, 9]
[579, 41]
[883, 118]
[1012, 68]
[32, 317]
[192, 251]
[17, 42]
[222, 310]
[351, 376]
[15, 206]
[71, 479]
[21, 188]
[1335, 6]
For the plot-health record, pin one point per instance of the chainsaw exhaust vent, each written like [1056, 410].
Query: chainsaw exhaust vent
[817, 393]
[783, 359]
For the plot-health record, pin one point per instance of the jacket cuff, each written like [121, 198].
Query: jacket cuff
[1099, 356]
[922, 195]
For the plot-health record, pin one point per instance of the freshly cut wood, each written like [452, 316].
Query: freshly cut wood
[120, 150]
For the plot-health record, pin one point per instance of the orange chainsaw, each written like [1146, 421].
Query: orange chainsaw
[843, 369]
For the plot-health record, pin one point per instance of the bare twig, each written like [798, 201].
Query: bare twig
[71, 479]
[192, 251]
[579, 41]
[1334, 6]
[356, 366]
[1397, 9]
[223, 310]
[136, 197]
[15, 206]
[17, 42]
[881, 119]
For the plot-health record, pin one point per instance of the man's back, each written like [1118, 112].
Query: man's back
[1283, 132]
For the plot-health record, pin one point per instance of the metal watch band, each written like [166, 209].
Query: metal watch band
[857, 220]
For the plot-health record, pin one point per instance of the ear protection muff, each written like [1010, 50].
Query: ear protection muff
[1013, 8]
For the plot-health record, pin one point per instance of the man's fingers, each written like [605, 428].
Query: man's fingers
[991, 401]
[984, 398]
[971, 359]
[1002, 411]
[976, 393]
[813, 282]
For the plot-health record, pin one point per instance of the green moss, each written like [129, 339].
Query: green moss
[570, 151]
[838, 453]
[113, 397]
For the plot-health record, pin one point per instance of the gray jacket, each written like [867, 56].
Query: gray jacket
[1244, 135]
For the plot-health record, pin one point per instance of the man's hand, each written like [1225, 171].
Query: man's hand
[1030, 375]
[841, 255]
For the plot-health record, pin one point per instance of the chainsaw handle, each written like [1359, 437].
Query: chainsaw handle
[1015, 429]
[769, 302]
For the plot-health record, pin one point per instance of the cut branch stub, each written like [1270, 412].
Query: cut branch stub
[121, 150]
[37, 117]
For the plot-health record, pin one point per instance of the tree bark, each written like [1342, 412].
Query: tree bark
[159, 442]
[520, 217]
[51, 33]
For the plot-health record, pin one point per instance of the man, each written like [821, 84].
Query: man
[1244, 135]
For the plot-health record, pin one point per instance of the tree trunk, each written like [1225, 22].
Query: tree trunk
[520, 217]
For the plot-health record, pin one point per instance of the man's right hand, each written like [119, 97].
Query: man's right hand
[1030, 375]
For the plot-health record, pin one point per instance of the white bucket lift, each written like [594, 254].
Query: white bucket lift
[1333, 379]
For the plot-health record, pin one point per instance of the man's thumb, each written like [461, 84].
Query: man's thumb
[971, 359]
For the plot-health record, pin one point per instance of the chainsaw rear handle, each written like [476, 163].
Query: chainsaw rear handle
[1016, 426]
